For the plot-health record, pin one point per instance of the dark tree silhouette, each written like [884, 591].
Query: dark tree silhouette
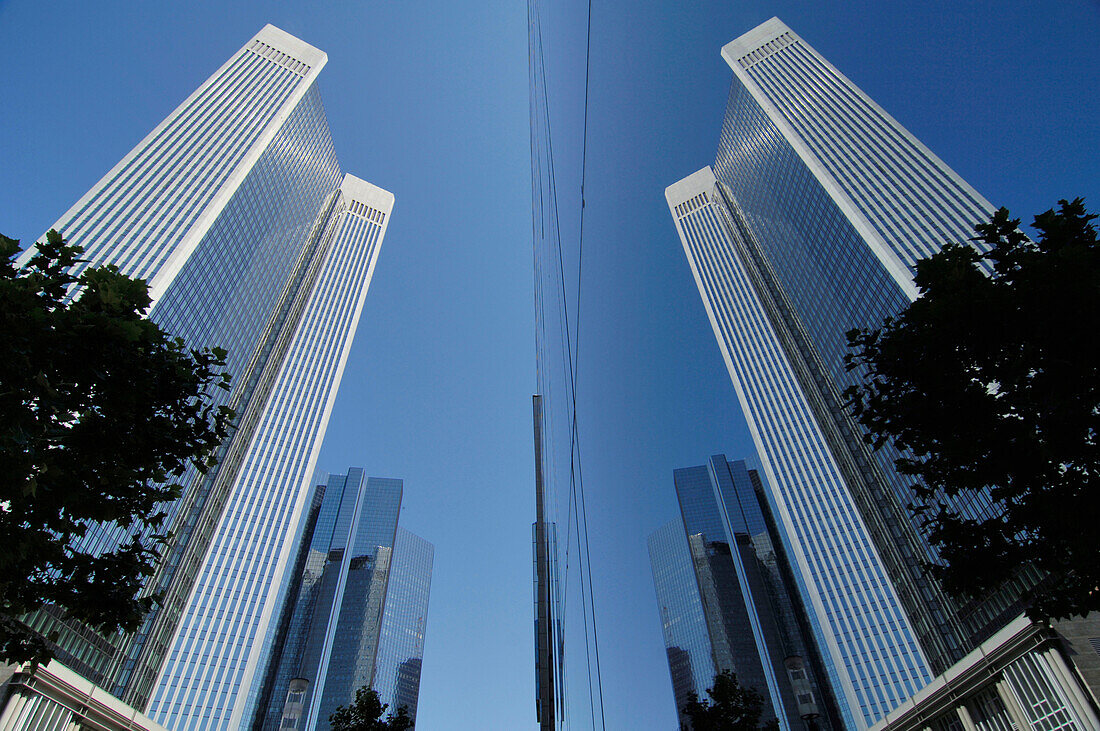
[100, 411]
[989, 385]
[365, 714]
[732, 707]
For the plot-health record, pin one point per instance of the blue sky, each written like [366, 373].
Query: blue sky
[430, 101]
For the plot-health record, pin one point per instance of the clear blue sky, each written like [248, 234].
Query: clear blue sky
[429, 100]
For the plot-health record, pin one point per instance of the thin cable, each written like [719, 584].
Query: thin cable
[536, 77]
[574, 508]
[580, 259]
[577, 501]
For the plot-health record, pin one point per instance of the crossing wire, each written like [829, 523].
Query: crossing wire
[580, 260]
[577, 500]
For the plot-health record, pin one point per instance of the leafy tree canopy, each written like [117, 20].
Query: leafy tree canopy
[365, 714]
[732, 707]
[989, 384]
[100, 411]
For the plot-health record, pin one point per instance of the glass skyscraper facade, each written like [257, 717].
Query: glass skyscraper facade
[808, 224]
[235, 210]
[841, 202]
[872, 657]
[245, 570]
[727, 598]
[401, 638]
[356, 610]
[683, 623]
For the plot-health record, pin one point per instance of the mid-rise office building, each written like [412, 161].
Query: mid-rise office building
[809, 224]
[235, 210]
[356, 610]
[727, 600]
[51, 697]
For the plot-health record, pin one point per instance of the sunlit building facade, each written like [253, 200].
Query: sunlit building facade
[235, 210]
[872, 657]
[809, 224]
[356, 611]
[51, 697]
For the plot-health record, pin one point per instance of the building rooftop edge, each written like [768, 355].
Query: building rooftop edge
[367, 193]
[747, 42]
[291, 45]
[664, 527]
[402, 529]
[694, 184]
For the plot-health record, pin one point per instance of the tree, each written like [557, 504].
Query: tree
[732, 707]
[100, 412]
[365, 714]
[989, 386]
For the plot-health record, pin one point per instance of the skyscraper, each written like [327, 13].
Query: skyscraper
[356, 609]
[817, 207]
[235, 211]
[228, 620]
[401, 638]
[549, 667]
[683, 622]
[727, 599]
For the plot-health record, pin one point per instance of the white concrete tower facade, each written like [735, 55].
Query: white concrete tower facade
[235, 210]
[216, 659]
[817, 207]
[868, 647]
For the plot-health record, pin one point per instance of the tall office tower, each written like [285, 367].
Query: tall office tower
[401, 639]
[235, 211]
[871, 657]
[809, 224]
[356, 609]
[727, 598]
[683, 621]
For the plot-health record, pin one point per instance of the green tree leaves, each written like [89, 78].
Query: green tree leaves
[365, 714]
[732, 707]
[100, 412]
[989, 384]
